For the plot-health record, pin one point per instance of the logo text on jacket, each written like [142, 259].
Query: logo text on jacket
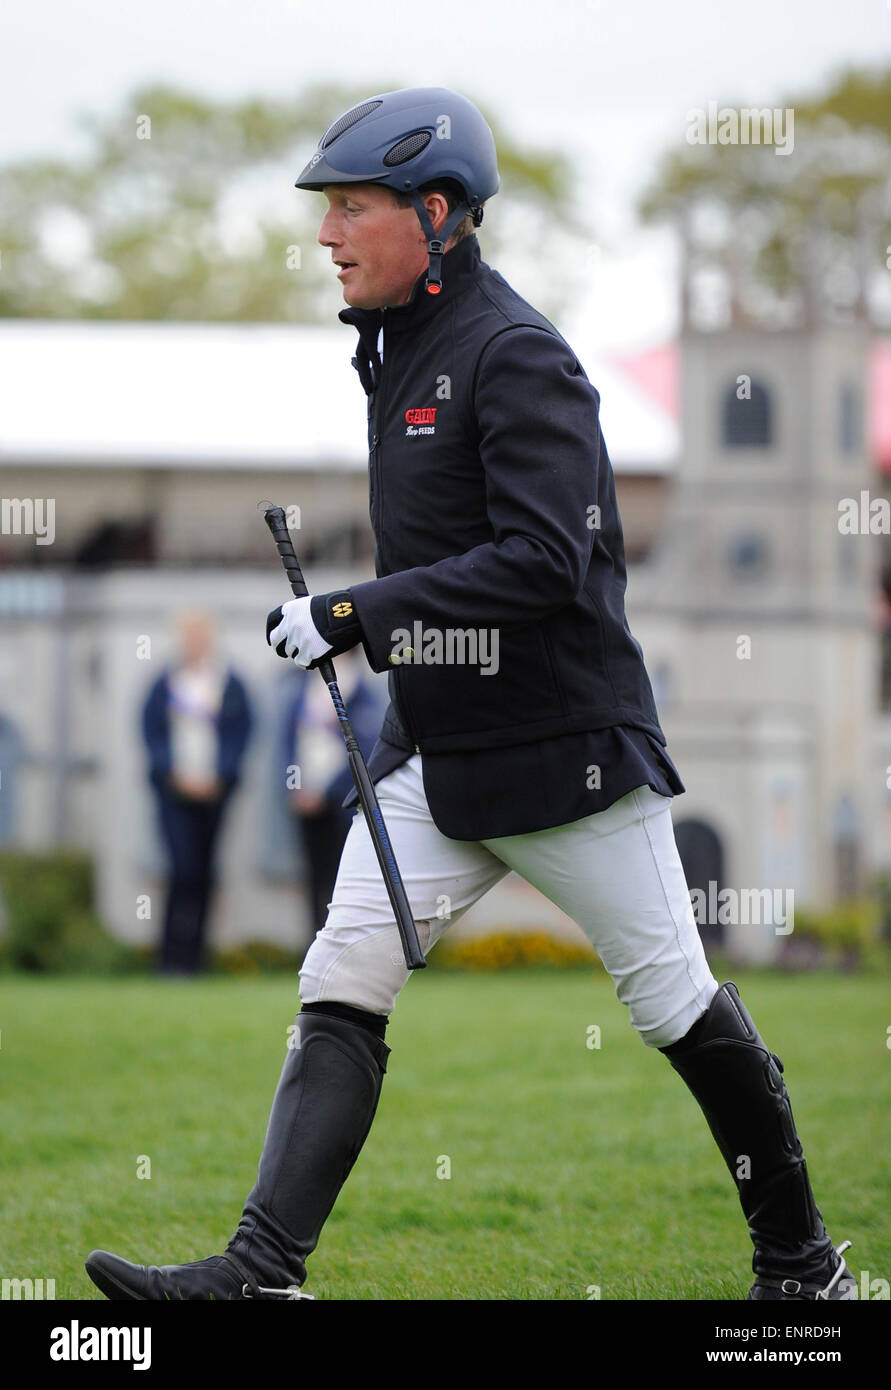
[421, 421]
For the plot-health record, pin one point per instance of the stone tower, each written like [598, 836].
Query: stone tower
[767, 612]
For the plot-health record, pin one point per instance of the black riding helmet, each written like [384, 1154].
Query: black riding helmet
[407, 139]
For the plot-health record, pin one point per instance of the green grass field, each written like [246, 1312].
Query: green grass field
[570, 1167]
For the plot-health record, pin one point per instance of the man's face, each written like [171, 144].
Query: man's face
[379, 247]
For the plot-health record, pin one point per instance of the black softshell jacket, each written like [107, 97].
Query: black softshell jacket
[492, 501]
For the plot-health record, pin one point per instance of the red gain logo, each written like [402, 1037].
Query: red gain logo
[427, 416]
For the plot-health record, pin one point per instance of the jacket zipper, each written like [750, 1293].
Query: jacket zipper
[372, 442]
[379, 416]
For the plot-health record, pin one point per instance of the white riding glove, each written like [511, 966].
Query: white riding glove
[291, 632]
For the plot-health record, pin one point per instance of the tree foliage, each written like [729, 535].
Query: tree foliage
[184, 208]
[821, 213]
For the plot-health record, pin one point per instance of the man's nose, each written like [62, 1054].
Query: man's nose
[327, 234]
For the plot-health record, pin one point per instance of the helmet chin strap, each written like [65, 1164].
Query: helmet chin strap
[436, 241]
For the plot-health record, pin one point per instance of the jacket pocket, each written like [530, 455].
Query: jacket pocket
[513, 686]
[555, 671]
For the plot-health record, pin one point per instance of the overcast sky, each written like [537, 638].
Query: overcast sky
[609, 80]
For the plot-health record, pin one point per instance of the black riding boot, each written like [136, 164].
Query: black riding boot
[738, 1083]
[321, 1113]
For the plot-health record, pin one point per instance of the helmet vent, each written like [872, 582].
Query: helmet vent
[407, 148]
[350, 118]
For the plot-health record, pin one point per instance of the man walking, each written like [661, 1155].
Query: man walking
[522, 731]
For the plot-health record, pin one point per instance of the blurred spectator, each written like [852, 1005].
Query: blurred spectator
[314, 744]
[196, 722]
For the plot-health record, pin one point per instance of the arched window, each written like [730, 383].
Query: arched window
[11, 751]
[749, 556]
[849, 419]
[702, 856]
[747, 423]
[846, 848]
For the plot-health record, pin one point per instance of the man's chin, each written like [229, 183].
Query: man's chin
[357, 300]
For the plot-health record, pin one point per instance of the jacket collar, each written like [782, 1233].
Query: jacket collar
[458, 267]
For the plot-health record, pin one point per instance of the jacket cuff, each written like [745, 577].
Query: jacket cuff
[377, 639]
[336, 620]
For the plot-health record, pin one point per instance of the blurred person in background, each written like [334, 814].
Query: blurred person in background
[196, 723]
[318, 772]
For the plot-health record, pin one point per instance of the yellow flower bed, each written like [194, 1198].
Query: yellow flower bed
[507, 950]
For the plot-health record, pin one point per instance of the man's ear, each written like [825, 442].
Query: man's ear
[438, 208]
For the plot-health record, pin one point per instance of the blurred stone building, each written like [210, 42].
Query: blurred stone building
[732, 450]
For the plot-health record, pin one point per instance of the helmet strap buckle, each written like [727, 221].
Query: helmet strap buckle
[435, 251]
